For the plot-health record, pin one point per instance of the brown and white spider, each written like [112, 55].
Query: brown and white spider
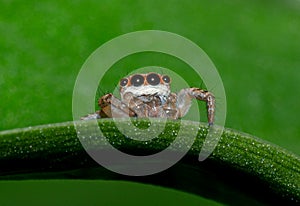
[148, 95]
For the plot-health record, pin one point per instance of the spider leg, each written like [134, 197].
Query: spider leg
[113, 107]
[170, 107]
[110, 107]
[91, 116]
[184, 99]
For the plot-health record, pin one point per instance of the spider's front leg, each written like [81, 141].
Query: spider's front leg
[185, 97]
[113, 107]
[110, 106]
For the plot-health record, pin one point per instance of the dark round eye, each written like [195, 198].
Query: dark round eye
[166, 79]
[123, 82]
[153, 79]
[137, 80]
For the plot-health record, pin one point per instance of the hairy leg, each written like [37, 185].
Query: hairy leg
[185, 97]
[110, 106]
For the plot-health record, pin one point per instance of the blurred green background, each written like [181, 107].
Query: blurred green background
[254, 44]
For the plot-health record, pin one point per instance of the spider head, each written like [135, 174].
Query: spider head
[145, 84]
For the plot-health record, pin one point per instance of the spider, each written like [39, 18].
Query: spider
[149, 95]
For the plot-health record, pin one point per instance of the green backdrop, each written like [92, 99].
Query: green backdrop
[254, 44]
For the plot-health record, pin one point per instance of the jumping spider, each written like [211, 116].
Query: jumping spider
[148, 95]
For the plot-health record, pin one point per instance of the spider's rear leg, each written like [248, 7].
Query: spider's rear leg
[113, 107]
[184, 99]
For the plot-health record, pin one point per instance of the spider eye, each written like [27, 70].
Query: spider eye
[123, 82]
[137, 80]
[153, 79]
[166, 79]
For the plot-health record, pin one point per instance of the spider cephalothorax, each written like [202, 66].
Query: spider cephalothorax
[148, 95]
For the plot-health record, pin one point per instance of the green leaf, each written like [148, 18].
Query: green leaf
[241, 169]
